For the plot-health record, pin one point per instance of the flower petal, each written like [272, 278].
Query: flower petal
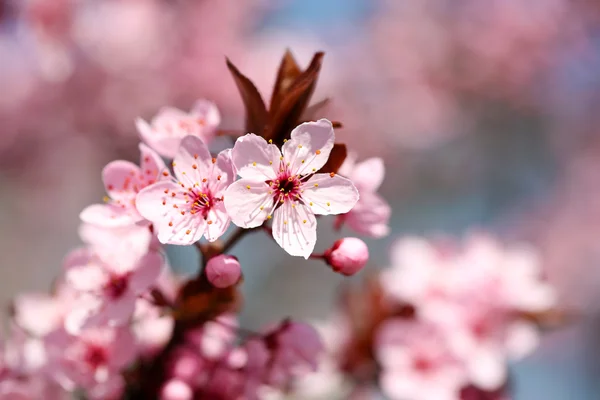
[254, 158]
[165, 145]
[193, 161]
[83, 272]
[217, 222]
[222, 174]
[110, 215]
[151, 165]
[327, 194]
[309, 147]
[295, 229]
[207, 114]
[121, 179]
[248, 202]
[368, 175]
[170, 214]
[146, 273]
[370, 216]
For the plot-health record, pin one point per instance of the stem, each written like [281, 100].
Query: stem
[235, 237]
[317, 256]
[202, 254]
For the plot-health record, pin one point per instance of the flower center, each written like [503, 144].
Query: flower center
[116, 286]
[95, 356]
[202, 202]
[285, 187]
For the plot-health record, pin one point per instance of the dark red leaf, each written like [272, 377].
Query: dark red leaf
[336, 158]
[294, 102]
[287, 74]
[256, 111]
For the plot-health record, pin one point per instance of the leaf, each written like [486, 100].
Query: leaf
[256, 111]
[287, 115]
[313, 112]
[287, 74]
[336, 158]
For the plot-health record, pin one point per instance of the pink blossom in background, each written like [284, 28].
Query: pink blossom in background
[371, 214]
[287, 186]
[108, 280]
[170, 126]
[190, 207]
[417, 362]
[123, 180]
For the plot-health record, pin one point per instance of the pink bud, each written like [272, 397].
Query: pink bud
[347, 256]
[176, 390]
[223, 271]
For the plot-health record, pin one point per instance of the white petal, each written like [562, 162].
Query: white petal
[309, 147]
[193, 161]
[248, 202]
[329, 195]
[254, 158]
[217, 222]
[109, 215]
[295, 229]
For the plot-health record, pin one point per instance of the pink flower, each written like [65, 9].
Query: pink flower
[109, 284]
[371, 214]
[417, 363]
[123, 180]
[287, 186]
[347, 256]
[478, 294]
[92, 360]
[223, 271]
[192, 207]
[170, 126]
[295, 349]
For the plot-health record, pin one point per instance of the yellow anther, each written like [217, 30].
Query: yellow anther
[302, 161]
[318, 152]
[270, 162]
[280, 158]
[106, 199]
[254, 164]
[304, 221]
[328, 204]
[270, 141]
[332, 174]
[248, 187]
[173, 164]
[316, 185]
[284, 140]
[310, 204]
[261, 208]
[299, 146]
[269, 217]
[285, 222]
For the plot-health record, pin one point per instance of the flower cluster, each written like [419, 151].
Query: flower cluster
[118, 324]
[442, 323]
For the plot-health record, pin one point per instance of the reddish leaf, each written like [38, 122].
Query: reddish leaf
[313, 112]
[256, 111]
[287, 74]
[336, 158]
[294, 102]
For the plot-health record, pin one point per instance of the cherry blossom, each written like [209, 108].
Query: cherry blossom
[171, 125]
[479, 294]
[109, 280]
[123, 180]
[286, 185]
[183, 211]
[92, 360]
[371, 214]
[417, 363]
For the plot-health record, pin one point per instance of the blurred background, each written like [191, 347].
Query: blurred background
[486, 114]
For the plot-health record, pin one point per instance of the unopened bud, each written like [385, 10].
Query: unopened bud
[347, 256]
[223, 271]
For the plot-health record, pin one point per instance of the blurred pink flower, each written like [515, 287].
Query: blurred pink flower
[123, 180]
[371, 214]
[417, 362]
[184, 211]
[170, 126]
[223, 271]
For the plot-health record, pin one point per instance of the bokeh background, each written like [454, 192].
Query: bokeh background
[485, 112]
